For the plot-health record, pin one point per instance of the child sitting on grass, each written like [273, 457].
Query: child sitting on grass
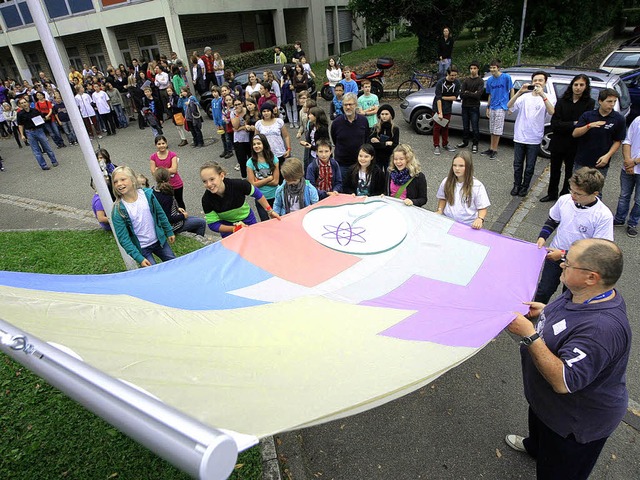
[295, 193]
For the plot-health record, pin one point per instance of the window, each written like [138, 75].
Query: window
[62, 8]
[266, 34]
[623, 60]
[74, 58]
[330, 35]
[123, 45]
[33, 62]
[15, 14]
[96, 57]
[345, 28]
[8, 69]
[149, 48]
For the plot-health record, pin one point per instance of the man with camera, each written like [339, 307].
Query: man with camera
[534, 110]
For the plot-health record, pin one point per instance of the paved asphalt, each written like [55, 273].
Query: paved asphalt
[450, 429]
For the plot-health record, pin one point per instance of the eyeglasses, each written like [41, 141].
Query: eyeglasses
[564, 261]
[348, 104]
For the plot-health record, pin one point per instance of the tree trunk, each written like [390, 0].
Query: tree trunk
[426, 45]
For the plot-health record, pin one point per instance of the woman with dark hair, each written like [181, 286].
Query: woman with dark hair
[574, 102]
[365, 177]
[318, 128]
[263, 172]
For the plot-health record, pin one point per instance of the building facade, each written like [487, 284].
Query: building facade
[110, 32]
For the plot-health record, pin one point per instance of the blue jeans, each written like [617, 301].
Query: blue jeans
[522, 151]
[68, 129]
[471, 121]
[442, 67]
[54, 132]
[164, 252]
[262, 213]
[37, 139]
[549, 281]
[195, 225]
[120, 116]
[627, 183]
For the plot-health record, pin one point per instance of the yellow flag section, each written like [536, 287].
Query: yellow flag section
[256, 370]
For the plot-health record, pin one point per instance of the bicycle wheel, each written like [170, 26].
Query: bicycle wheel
[407, 87]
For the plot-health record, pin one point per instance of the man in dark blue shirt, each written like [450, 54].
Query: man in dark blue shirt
[600, 133]
[349, 132]
[574, 363]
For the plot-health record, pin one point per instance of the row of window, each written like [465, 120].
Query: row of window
[16, 12]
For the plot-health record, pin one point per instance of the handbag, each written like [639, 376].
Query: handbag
[178, 119]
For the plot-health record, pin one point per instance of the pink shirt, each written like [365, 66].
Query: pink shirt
[175, 181]
[393, 189]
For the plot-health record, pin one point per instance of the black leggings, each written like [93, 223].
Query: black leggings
[243, 152]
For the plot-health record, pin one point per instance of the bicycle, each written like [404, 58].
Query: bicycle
[414, 84]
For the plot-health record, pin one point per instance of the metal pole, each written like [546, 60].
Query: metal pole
[197, 449]
[524, 16]
[62, 82]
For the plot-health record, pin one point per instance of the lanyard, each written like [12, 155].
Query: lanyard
[602, 296]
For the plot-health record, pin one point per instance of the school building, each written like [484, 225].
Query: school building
[110, 32]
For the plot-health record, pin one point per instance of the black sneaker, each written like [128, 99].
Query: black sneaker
[522, 191]
[493, 155]
[632, 231]
[462, 145]
[617, 223]
[487, 153]
[514, 190]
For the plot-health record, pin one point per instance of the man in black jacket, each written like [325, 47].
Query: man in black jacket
[470, 92]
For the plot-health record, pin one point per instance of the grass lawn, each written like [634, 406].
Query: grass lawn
[44, 434]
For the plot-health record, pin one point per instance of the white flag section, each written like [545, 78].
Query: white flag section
[334, 310]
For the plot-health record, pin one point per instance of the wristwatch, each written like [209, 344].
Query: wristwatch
[527, 341]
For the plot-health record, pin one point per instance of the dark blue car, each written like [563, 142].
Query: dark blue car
[632, 80]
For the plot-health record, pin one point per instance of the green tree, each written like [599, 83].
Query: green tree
[425, 18]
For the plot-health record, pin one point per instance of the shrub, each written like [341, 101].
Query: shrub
[245, 60]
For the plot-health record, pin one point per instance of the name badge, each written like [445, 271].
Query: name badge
[559, 327]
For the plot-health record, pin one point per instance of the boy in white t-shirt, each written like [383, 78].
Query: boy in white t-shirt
[578, 215]
[103, 104]
[534, 110]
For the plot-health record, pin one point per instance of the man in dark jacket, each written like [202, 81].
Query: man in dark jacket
[471, 91]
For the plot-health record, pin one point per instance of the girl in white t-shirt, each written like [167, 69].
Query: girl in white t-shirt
[461, 196]
[139, 222]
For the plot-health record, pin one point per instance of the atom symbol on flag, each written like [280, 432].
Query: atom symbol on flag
[345, 233]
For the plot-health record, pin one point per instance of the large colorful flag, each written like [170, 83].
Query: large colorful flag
[333, 310]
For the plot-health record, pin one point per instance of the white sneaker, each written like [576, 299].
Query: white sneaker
[237, 167]
[515, 442]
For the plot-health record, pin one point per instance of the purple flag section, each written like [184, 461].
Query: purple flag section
[468, 315]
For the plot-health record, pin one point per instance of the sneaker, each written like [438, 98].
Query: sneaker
[55, 164]
[486, 153]
[237, 167]
[632, 232]
[46, 168]
[99, 136]
[493, 155]
[449, 148]
[222, 155]
[522, 191]
[515, 442]
[462, 145]
[291, 125]
[183, 143]
[436, 150]
[514, 190]
[617, 223]
[474, 149]
[227, 155]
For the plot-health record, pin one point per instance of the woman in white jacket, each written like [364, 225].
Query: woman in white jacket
[334, 73]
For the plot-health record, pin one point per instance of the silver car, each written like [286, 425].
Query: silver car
[417, 108]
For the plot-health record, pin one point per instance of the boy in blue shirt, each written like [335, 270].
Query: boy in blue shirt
[500, 89]
[350, 85]
[335, 109]
[216, 109]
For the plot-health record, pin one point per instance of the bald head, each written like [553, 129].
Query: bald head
[601, 256]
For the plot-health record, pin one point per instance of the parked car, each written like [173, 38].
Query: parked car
[243, 78]
[417, 108]
[626, 57]
[632, 80]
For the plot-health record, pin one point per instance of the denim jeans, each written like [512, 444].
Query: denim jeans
[442, 67]
[522, 151]
[37, 139]
[627, 183]
[262, 213]
[68, 129]
[163, 252]
[122, 119]
[549, 281]
[471, 122]
[54, 132]
[195, 225]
